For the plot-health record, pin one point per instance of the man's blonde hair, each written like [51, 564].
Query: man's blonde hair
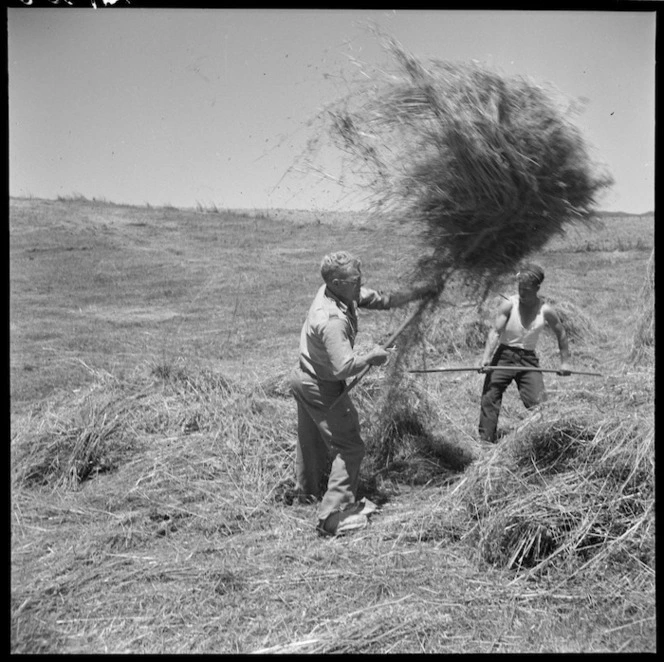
[338, 265]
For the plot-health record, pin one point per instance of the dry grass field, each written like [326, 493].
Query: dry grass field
[153, 436]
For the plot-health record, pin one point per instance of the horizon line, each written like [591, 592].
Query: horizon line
[214, 208]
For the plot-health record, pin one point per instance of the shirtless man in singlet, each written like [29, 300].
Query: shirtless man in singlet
[512, 342]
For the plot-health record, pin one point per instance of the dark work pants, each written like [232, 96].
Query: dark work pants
[529, 383]
[324, 432]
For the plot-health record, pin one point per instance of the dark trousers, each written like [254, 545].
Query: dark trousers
[529, 383]
[324, 432]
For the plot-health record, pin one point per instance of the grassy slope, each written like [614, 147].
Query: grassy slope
[184, 546]
[116, 286]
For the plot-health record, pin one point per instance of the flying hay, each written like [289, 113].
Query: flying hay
[487, 168]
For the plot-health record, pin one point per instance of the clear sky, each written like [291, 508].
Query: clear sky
[211, 106]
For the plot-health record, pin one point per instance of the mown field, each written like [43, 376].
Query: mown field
[153, 435]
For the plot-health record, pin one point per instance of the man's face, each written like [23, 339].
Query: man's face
[348, 286]
[527, 290]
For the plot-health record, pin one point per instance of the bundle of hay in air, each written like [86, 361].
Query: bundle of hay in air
[486, 167]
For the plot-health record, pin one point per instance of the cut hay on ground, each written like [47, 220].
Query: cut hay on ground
[105, 427]
[643, 343]
[187, 530]
[73, 444]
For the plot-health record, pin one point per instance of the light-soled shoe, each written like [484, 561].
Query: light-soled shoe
[368, 507]
[353, 517]
[351, 522]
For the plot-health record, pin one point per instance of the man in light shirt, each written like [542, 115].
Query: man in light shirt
[512, 342]
[327, 360]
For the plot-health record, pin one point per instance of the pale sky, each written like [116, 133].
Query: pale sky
[210, 106]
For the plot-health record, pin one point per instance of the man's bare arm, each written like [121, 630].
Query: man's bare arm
[552, 319]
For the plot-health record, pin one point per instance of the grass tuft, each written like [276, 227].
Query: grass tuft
[643, 343]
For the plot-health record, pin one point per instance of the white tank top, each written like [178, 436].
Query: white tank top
[515, 334]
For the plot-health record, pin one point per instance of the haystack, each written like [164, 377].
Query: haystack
[483, 168]
[575, 487]
[408, 438]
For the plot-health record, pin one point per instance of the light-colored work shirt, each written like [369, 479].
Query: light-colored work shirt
[515, 334]
[328, 334]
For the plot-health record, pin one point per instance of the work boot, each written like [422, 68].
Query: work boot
[340, 522]
[353, 517]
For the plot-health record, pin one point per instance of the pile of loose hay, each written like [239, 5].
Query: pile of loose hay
[579, 486]
[580, 326]
[72, 444]
[114, 420]
[411, 438]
